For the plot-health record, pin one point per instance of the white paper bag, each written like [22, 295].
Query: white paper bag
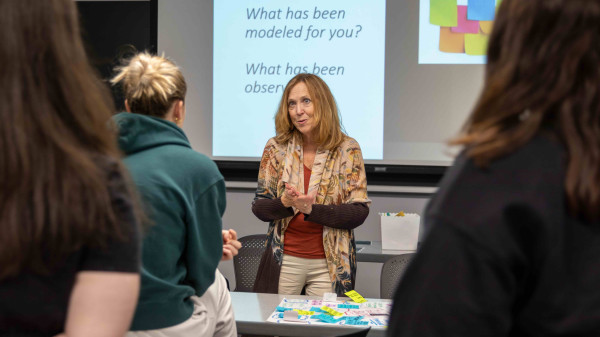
[399, 232]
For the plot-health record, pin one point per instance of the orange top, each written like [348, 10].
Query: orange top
[304, 238]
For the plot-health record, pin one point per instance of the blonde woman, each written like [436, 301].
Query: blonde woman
[312, 190]
[182, 292]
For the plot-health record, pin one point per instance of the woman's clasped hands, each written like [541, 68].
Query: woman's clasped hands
[302, 202]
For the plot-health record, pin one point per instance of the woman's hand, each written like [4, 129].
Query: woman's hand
[304, 202]
[288, 199]
[230, 245]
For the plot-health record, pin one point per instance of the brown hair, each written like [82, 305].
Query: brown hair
[543, 71]
[55, 147]
[328, 128]
[151, 84]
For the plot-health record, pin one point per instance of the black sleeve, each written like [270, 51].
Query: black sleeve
[344, 216]
[121, 254]
[270, 209]
[453, 287]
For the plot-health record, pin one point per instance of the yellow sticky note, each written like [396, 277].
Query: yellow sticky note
[476, 44]
[356, 297]
[331, 311]
[304, 312]
[486, 26]
[451, 42]
[443, 13]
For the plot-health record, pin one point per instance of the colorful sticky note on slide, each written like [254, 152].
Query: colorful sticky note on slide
[476, 44]
[482, 10]
[443, 13]
[465, 25]
[451, 42]
[486, 26]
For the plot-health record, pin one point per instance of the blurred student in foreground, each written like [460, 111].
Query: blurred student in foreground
[183, 293]
[69, 247]
[513, 234]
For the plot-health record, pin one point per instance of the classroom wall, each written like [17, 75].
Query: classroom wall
[182, 36]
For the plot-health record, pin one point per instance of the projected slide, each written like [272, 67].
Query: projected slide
[455, 31]
[260, 45]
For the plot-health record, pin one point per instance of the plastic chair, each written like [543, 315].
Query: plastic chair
[391, 273]
[245, 264]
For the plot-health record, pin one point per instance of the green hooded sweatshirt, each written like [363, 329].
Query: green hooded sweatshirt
[183, 194]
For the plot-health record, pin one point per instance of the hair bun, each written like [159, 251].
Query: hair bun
[151, 83]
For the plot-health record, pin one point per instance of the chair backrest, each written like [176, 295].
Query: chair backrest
[245, 264]
[391, 273]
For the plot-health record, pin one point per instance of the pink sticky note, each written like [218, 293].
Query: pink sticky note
[465, 25]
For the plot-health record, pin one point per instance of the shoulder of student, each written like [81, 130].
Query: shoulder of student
[531, 179]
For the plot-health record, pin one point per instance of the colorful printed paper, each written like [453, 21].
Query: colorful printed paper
[297, 311]
[443, 13]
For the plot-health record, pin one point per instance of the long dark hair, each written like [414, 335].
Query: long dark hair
[543, 71]
[54, 137]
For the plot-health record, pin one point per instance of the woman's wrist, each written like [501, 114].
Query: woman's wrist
[287, 202]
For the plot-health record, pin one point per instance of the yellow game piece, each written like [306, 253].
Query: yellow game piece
[304, 312]
[331, 311]
[356, 297]
[401, 213]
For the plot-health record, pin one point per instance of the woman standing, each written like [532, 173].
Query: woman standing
[69, 248]
[513, 233]
[312, 190]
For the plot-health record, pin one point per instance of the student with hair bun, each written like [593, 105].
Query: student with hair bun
[183, 192]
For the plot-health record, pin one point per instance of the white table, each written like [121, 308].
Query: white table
[253, 309]
[372, 252]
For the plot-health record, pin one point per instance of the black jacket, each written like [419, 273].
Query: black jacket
[502, 256]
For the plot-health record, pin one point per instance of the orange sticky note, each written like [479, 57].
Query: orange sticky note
[476, 44]
[486, 26]
[451, 42]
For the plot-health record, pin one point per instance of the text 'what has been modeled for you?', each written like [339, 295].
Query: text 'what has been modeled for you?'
[260, 46]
